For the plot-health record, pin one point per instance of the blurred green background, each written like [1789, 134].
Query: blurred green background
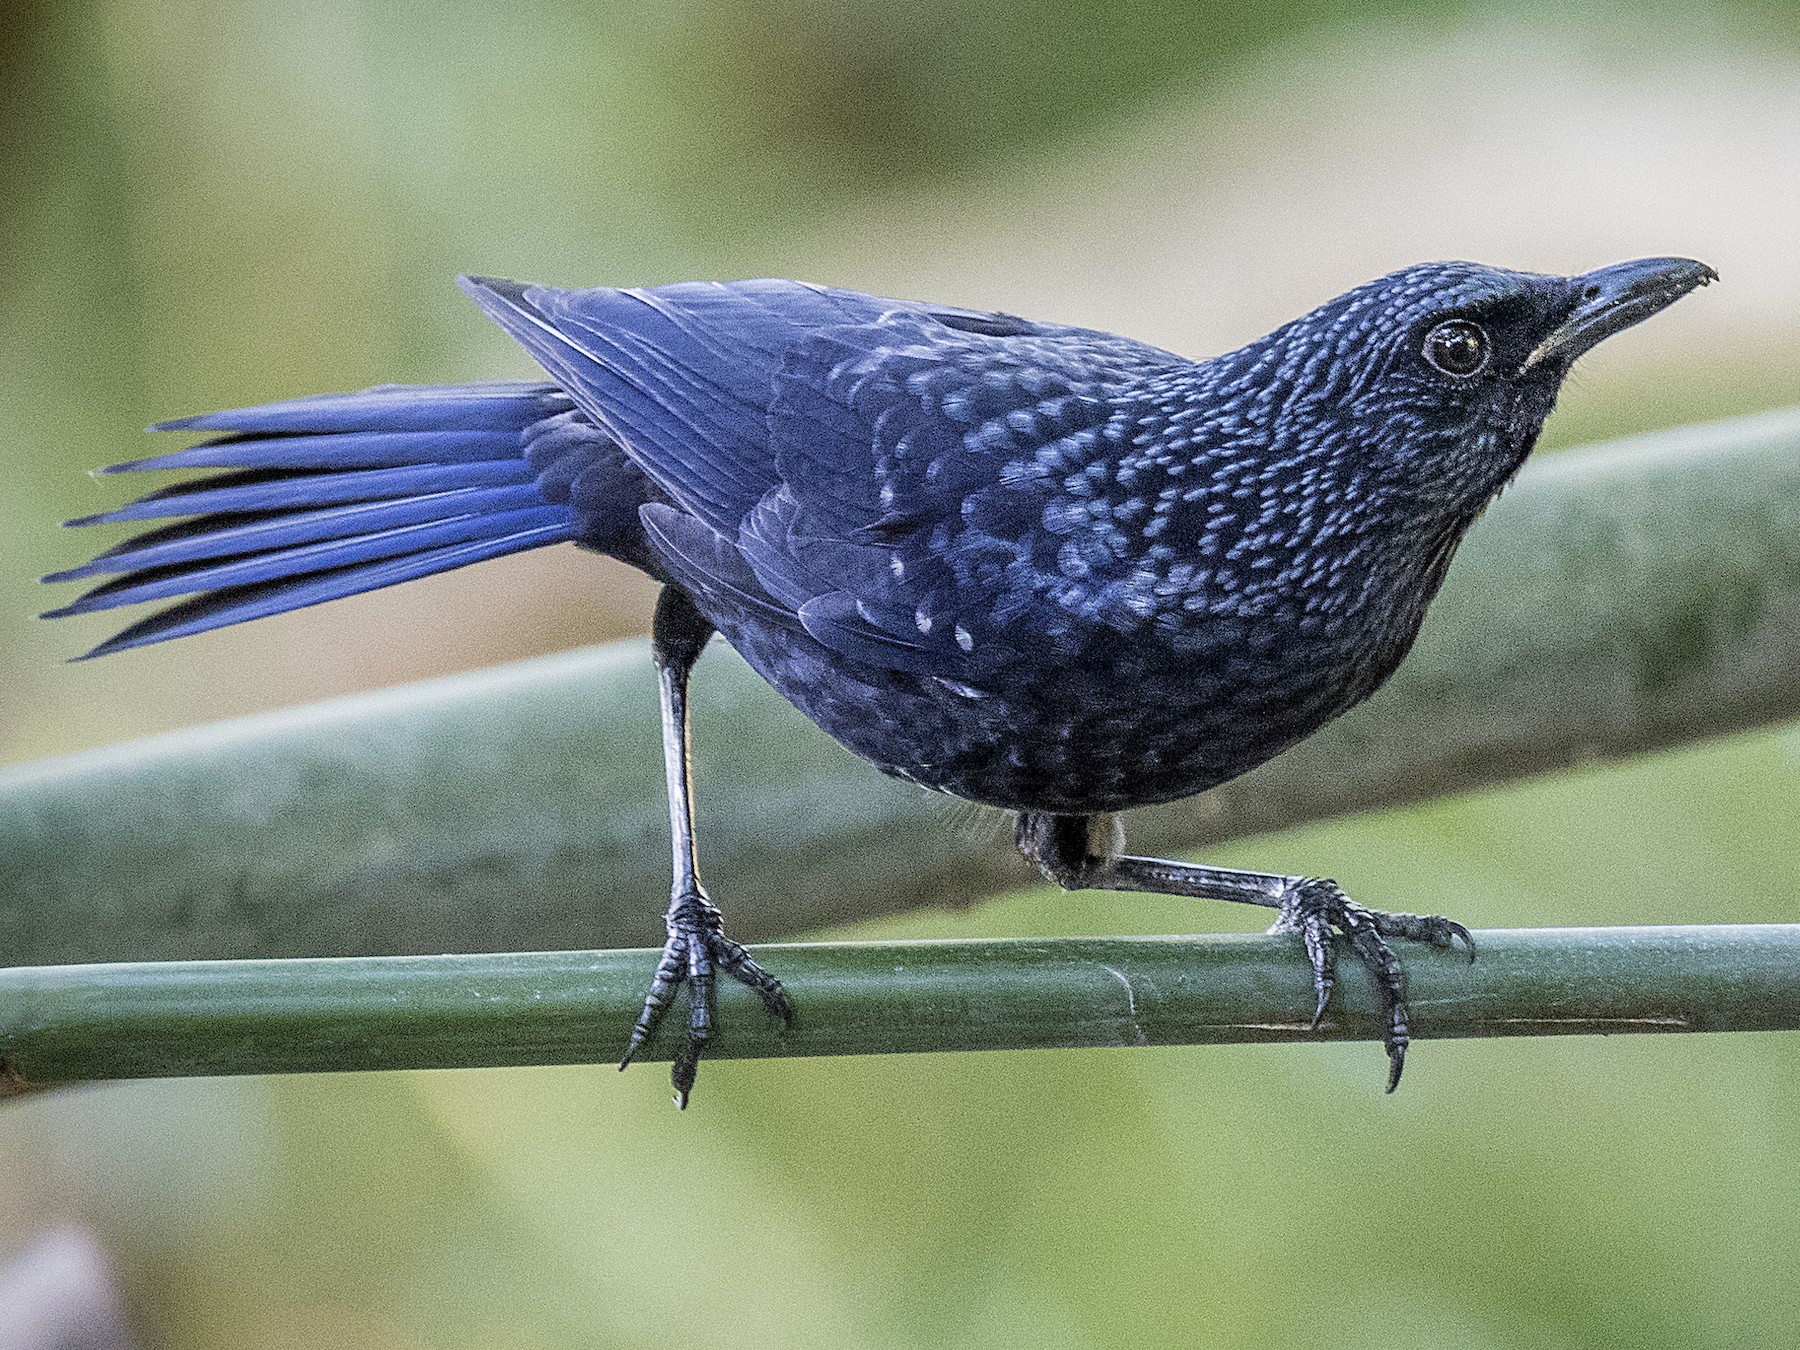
[213, 204]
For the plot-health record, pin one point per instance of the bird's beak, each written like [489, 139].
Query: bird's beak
[1614, 298]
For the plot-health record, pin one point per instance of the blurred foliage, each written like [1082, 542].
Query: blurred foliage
[208, 202]
[848, 98]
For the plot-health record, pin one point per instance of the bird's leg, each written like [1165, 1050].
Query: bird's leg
[697, 945]
[1086, 853]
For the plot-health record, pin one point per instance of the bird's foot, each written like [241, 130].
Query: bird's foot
[1317, 909]
[696, 948]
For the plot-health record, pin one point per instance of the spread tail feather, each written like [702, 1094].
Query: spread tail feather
[329, 496]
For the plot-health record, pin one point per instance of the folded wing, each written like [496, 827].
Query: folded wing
[872, 471]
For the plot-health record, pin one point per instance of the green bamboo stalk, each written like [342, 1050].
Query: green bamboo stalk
[62, 1024]
[1618, 599]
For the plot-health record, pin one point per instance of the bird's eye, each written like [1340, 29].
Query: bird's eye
[1457, 347]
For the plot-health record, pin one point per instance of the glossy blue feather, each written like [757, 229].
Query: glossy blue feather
[324, 488]
[334, 450]
[495, 406]
[219, 609]
[289, 530]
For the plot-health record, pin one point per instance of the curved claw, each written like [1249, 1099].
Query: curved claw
[671, 969]
[1396, 1064]
[1460, 934]
[734, 959]
[1316, 933]
[683, 1072]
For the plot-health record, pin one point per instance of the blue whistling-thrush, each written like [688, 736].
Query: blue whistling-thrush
[1039, 567]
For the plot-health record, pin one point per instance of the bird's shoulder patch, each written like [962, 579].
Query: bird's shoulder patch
[878, 424]
[907, 530]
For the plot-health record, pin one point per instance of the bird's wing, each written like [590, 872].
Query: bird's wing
[682, 376]
[874, 471]
[924, 464]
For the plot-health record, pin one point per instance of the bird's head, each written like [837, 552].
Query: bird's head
[1443, 373]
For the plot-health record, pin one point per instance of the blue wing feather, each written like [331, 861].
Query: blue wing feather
[710, 566]
[682, 375]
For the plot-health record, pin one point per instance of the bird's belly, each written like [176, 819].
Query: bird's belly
[1117, 729]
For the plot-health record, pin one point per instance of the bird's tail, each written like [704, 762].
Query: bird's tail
[324, 497]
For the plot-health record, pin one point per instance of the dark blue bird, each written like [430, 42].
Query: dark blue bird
[1039, 567]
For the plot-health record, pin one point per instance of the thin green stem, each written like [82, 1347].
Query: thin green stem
[61, 1024]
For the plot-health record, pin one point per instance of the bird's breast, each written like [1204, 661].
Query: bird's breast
[1121, 721]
